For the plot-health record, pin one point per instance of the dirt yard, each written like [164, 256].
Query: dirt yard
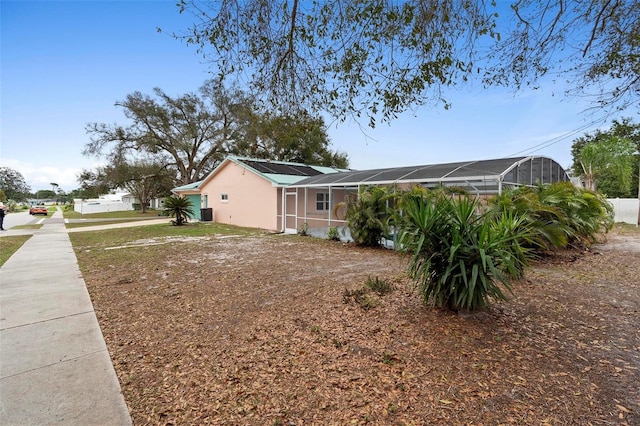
[257, 331]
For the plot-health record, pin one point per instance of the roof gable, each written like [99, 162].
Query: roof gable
[278, 173]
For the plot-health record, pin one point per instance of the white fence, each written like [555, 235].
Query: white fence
[626, 209]
[101, 206]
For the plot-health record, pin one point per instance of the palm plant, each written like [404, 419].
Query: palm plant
[586, 213]
[557, 214]
[460, 258]
[545, 222]
[367, 214]
[180, 208]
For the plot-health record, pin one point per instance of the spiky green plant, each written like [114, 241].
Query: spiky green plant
[180, 208]
[557, 214]
[367, 214]
[460, 258]
[587, 214]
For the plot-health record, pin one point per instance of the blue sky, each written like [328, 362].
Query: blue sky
[65, 63]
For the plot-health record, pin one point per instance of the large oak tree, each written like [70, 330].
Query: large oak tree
[13, 184]
[378, 58]
[188, 132]
[192, 133]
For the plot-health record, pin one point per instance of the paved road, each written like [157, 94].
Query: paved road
[21, 218]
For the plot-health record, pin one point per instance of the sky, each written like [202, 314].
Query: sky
[64, 64]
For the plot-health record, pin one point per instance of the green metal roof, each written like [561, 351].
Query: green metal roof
[193, 185]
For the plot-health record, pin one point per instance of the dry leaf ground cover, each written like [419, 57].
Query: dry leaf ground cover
[258, 330]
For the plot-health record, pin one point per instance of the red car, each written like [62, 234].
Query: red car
[38, 210]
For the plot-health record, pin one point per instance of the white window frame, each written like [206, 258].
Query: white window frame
[224, 197]
[323, 201]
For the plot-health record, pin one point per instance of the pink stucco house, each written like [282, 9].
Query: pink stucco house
[284, 197]
[249, 192]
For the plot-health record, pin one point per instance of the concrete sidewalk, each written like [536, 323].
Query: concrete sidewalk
[54, 365]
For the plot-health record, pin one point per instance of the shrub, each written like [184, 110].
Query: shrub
[460, 258]
[333, 234]
[361, 297]
[367, 215]
[380, 286]
[557, 214]
[304, 230]
[180, 208]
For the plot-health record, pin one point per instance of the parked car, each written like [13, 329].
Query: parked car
[38, 210]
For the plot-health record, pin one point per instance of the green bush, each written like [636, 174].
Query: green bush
[304, 230]
[557, 214]
[379, 286]
[180, 208]
[333, 234]
[367, 215]
[460, 258]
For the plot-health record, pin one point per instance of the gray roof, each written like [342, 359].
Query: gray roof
[517, 170]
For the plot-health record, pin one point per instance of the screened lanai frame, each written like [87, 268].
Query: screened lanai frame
[479, 178]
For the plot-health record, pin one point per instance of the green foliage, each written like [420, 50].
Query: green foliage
[377, 59]
[379, 286]
[460, 258]
[556, 215]
[368, 214]
[607, 180]
[612, 157]
[190, 134]
[333, 234]
[180, 208]
[300, 138]
[304, 230]
[13, 185]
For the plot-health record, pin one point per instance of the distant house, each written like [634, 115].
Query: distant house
[248, 192]
[154, 203]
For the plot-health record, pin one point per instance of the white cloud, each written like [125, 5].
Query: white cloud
[41, 177]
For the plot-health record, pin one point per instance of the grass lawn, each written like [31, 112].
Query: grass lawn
[127, 214]
[9, 245]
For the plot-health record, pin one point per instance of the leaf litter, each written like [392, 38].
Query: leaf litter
[255, 330]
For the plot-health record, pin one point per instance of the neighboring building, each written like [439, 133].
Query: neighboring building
[40, 201]
[248, 192]
[154, 203]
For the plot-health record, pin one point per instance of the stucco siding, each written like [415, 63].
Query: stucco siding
[240, 197]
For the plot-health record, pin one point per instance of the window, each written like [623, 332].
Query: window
[224, 197]
[322, 201]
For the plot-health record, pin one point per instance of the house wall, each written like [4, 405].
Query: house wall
[318, 221]
[250, 201]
